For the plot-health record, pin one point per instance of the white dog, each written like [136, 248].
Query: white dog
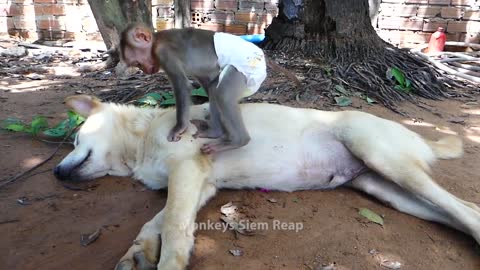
[291, 149]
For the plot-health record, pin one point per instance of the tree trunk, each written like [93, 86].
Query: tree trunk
[333, 29]
[183, 15]
[341, 33]
[112, 17]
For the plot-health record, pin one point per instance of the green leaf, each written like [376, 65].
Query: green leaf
[328, 70]
[38, 123]
[168, 102]
[15, 127]
[397, 74]
[402, 89]
[343, 101]
[408, 84]
[199, 92]
[370, 100]
[74, 119]
[341, 89]
[10, 121]
[60, 130]
[150, 99]
[370, 215]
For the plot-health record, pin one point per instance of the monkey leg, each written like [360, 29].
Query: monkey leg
[226, 111]
[209, 129]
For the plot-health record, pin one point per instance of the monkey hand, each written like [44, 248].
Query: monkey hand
[176, 132]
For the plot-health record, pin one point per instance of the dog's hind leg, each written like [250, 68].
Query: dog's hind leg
[401, 200]
[412, 175]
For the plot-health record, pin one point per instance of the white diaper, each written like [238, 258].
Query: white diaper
[246, 57]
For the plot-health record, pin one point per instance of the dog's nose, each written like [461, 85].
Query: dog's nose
[57, 171]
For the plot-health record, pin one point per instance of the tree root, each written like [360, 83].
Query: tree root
[363, 67]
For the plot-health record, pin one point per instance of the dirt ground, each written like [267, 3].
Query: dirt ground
[44, 231]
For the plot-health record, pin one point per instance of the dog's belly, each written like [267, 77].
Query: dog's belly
[314, 159]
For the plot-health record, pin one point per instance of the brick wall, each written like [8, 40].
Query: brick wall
[410, 22]
[233, 16]
[48, 19]
[400, 22]
[73, 19]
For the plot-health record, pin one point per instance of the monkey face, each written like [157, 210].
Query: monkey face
[141, 58]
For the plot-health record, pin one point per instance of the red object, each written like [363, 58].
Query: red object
[437, 41]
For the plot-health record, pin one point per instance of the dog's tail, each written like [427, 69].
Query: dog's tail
[447, 147]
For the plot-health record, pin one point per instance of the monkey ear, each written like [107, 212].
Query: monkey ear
[84, 105]
[142, 35]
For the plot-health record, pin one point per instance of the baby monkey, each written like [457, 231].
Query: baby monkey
[228, 67]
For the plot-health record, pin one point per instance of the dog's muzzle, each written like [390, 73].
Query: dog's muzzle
[60, 173]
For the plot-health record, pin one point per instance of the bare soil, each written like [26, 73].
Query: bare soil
[44, 231]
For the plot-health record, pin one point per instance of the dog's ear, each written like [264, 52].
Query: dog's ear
[84, 105]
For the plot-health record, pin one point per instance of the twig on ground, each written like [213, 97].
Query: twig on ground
[9, 221]
[12, 179]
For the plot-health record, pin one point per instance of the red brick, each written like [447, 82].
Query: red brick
[221, 17]
[400, 23]
[432, 25]
[428, 12]
[21, 10]
[265, 18]
[439, 2]
[164, 24]
[226, 4]
[472, 15]
[246, 17]
[25, 34]
[45, 1]
[50, 10]
[50, 24]
[452, 12]
[238, 29]
[453, 36]
[217, 27]
[461, 2]
[250, 5]
[197, 16]
[202, 4]
[51, 34]
[256, 28]
[457, 27]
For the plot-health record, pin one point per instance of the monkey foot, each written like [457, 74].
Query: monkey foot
[176, 132]
[204, 130]
[208, 149]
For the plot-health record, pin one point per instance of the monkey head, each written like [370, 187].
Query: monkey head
[136, 48]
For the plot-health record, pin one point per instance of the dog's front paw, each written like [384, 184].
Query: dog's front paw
[142, 255]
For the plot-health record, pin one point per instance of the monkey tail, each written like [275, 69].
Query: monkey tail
[283, 70]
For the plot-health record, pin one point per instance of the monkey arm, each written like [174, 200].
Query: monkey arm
[172, 65]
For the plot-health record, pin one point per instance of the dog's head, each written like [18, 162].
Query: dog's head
[97, 145]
